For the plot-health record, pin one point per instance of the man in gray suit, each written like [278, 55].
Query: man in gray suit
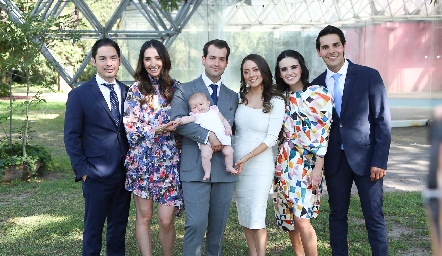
[206, 202]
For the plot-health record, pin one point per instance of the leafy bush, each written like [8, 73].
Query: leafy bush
[12, 155]
[4, 90]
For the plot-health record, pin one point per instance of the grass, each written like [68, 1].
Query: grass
[44, 216]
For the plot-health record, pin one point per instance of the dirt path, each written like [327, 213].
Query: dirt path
[408, 160]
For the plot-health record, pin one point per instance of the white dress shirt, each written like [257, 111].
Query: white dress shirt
[330, 81]
[106, 92]
[208, 82]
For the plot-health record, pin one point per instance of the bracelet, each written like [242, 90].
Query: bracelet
[160, 130]
[320, 156]
[253, 155]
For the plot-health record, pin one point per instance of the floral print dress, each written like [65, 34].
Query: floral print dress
[305, 135]
[153, 159]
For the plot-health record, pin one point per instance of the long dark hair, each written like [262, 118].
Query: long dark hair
[269, 89]
[283, 86]
[165, 81]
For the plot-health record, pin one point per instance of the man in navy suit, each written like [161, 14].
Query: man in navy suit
[96, 143]
[359, 143]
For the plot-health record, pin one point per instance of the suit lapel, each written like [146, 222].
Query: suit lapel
[123, 90]
[223, 96]
[95, 90]
[201, 87]
[349, 85]
[321, 79]
[224, 99]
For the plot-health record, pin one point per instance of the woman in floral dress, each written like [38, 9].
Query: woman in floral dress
[300, 160]
[152, 160]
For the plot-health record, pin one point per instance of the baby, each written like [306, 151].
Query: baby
[211, 119]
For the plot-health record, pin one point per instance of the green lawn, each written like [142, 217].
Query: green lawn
[43, 216]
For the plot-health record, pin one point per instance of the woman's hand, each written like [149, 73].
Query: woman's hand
[240, 164]
[171, 126]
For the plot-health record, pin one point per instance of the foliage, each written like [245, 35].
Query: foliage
[4, 89]
[24, 37]
[168, 5]
[10, 155]
[47, 125]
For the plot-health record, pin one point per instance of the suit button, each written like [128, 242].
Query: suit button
[340, 125]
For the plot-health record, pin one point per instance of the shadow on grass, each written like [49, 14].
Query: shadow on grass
[44, 217]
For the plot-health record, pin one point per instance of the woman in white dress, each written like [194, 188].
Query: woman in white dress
[258, 121]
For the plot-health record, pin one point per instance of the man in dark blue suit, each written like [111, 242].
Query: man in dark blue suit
[96, 143]
[359, 142]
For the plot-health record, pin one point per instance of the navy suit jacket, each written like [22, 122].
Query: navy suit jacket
[364, 127]
[95, 145]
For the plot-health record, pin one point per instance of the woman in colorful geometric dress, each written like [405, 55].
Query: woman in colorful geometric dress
[300, 160]
[152, 160]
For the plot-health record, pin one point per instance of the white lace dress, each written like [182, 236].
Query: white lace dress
[254, 127]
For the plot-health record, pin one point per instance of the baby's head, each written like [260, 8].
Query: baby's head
[199, 103]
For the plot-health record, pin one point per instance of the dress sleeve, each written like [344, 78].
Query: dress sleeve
[137, 128]
[275, 122]
[318, 107]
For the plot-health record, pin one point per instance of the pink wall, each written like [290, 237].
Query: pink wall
[397, 50]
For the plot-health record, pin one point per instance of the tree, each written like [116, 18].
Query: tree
[168, 5]
[21, 41]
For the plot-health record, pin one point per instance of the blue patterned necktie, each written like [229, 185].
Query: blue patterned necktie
[114, 104]
[214, 93]
[337, 94]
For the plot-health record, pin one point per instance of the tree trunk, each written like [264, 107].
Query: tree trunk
[26, 121]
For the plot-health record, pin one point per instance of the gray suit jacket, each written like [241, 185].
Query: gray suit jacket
[190, 165]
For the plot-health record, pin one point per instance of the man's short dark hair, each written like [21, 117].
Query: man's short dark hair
[104, 42]
[327, 31]
[218, 43]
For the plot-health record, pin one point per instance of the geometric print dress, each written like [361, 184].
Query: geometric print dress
[153, 159]
[305, 131]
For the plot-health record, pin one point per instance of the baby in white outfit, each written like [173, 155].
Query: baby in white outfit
[210, 118]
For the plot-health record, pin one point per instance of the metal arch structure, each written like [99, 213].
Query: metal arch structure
[161, 25]
[243, 14]
[286, 14]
